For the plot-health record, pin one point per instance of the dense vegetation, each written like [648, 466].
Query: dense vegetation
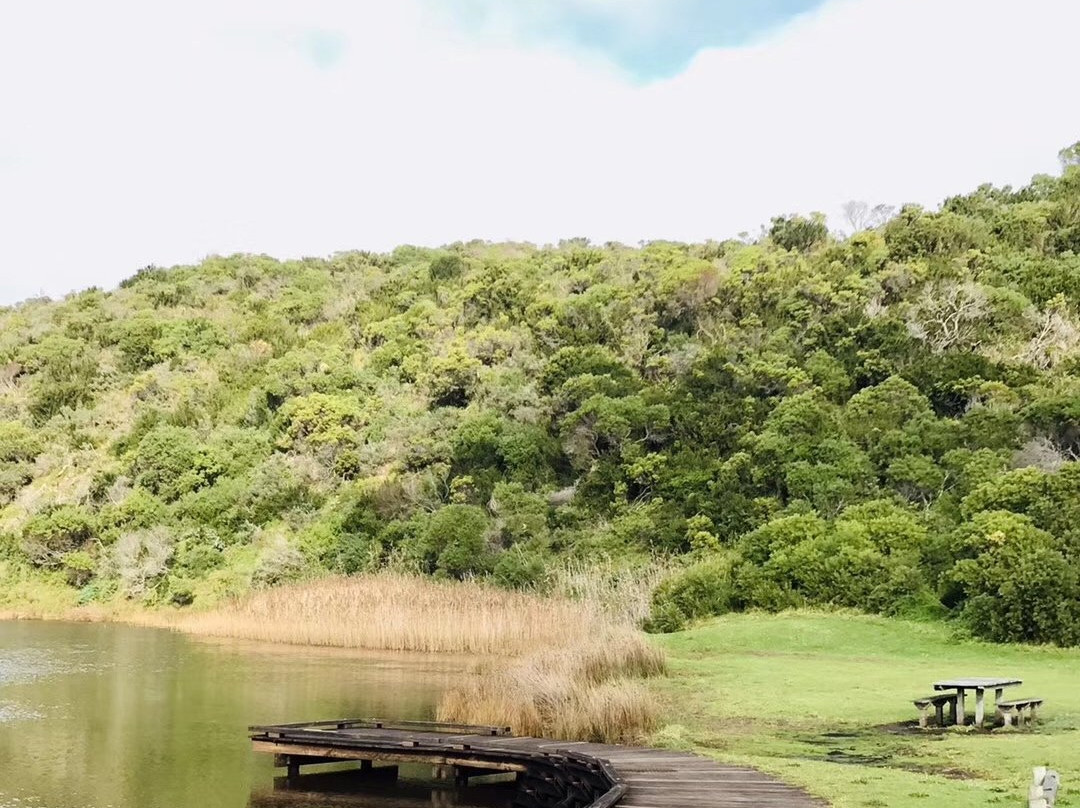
[888, 421]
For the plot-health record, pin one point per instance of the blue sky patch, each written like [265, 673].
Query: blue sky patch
[324, 49]
[649, 39]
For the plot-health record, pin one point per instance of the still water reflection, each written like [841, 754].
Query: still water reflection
[104, 716]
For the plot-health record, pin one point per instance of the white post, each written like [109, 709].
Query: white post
[961, 715]
[980, 706]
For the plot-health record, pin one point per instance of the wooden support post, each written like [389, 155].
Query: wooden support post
[940, 710]
[441, 797]
[365, 765]
[292, 767]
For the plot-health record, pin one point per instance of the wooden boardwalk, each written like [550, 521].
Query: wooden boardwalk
[550, 774]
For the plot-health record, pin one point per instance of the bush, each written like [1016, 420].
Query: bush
[452, 379]
[446, 267]
[53, 533]
[1013, 581]
[136, 338]
[198, 553]
[843, 567]
[520, 515]
[704, 589]
[319, 420]
[278, 562]
[18, 444]
[64, 377]
[142, 558]
[13, 476]
[170, 461]
[79, 567]
[453, 542]
[798, 233]
[519, 568]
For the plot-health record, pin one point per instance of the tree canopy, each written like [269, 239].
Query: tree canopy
[888, 421]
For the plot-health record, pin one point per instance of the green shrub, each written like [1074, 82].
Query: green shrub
[49, 536]
[79, 567]
[197, 553]
[278, 562]
[1014, 582]
[171, 461]
[520, 515]
[137, 340]
[453, 542]
[704, 589]
[65, 374]
[519, 568]
[18, 444]
[843, 567]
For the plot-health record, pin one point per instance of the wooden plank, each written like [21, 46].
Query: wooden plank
[338, 753]
[550, 772]
[378, 723]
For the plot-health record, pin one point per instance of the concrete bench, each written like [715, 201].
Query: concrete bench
[1018, 709]
[938, 702]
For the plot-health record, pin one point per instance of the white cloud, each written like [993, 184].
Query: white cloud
[133, 137]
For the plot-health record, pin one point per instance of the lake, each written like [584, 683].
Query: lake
[111, 716]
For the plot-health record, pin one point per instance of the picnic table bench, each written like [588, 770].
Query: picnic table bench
[980, 685]
[1016, 708]
[939, 701]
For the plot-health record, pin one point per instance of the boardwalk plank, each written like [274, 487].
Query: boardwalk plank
[652, 778]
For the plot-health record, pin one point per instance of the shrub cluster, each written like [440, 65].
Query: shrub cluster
[888, 421]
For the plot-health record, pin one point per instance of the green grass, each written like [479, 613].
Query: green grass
[817, 699]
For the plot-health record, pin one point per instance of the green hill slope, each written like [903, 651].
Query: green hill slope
[888, 421]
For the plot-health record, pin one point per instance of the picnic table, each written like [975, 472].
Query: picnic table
[980, 686]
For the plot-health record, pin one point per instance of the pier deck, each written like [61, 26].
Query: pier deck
[549, 773]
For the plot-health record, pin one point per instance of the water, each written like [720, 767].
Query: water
[106, 716]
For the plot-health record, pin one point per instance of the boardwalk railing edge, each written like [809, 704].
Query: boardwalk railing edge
[563, 772]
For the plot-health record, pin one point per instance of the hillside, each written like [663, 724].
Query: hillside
[888, 421]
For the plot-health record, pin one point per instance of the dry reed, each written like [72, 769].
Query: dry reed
[590, 691]
[577, 657]
[395, 612]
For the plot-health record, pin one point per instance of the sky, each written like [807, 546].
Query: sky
[132, 135]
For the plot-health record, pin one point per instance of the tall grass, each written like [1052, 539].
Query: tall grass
[395, 612]
[566, 664]
[622, 592]
[589, 690]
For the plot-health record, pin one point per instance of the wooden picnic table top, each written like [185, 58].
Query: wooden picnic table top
[977, 683]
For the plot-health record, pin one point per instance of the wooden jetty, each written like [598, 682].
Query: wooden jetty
[550, 774]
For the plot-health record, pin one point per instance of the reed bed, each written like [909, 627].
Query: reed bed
[567, 664]
[396, 612]
[589, 691]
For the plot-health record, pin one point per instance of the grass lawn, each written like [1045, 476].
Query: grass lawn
[824, 701]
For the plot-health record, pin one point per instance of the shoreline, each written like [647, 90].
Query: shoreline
[546, 664]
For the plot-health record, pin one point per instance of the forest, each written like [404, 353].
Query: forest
[886, 420]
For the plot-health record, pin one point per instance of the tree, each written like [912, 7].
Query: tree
[1014, 583]
[949, 315]
[454, 542]
[863, 217]
[798, 233]
[170, 461]
[1070, 155]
